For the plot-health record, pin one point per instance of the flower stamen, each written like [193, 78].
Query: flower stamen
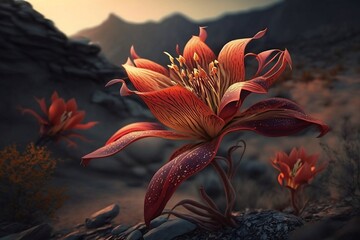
[296, 167]
[205, 83]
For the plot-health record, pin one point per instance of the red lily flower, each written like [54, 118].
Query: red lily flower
[297, 168]
[199, 98]
[60, 119]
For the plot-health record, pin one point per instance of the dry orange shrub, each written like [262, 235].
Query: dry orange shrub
[25, 189]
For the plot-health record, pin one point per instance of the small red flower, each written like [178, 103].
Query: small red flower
[297, 168]
[60, 119]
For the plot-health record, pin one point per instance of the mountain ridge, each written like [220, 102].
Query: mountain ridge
[287, 22]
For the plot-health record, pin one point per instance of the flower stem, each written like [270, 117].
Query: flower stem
[293, 201]
[207, 215]
[229, 193]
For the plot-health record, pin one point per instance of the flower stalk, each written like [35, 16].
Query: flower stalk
[208, 211]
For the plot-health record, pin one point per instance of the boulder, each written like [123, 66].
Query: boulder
[119, 229]
[135, 235]
[102, 217]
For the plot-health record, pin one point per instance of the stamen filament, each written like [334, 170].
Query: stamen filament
[205, 83]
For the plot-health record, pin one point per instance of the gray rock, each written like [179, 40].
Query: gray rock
[77, 235]
[99, 232]
[103, 216]
[42, 231]
[158, 221]
[135, 235]
[119, 229]
[123, 106]
[170, 230]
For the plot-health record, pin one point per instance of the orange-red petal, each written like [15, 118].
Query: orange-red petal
[74, 120]
[179, 109]
[282, 59]
[135, 127]
[127, 138]
[147, 64]
[197, 45]
[234, 97]
[304, 174]
[54, 96]
[276, 117]
[284, 169]
[168, 178]
[57, 108]
[145, 80]
[293, 158]
[40, 119]
[231, 58]
[281, 178]
[151, 65]
[71, 105]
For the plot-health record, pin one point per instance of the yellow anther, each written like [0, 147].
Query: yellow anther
[174, 67]
[181, 60]
[204, 82]
[196, 73]
[196, 57]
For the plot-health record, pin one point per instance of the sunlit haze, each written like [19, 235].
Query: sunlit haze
[71, 16]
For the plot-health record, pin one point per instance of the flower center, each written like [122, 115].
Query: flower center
[296, 167]
[59, 127]
[65, 116]
[205, 83]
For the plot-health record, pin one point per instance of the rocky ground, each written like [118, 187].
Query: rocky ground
[321, 220]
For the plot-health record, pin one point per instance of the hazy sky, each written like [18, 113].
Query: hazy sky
[71, 16]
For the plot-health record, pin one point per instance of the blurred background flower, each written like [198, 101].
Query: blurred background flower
[59, 120]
